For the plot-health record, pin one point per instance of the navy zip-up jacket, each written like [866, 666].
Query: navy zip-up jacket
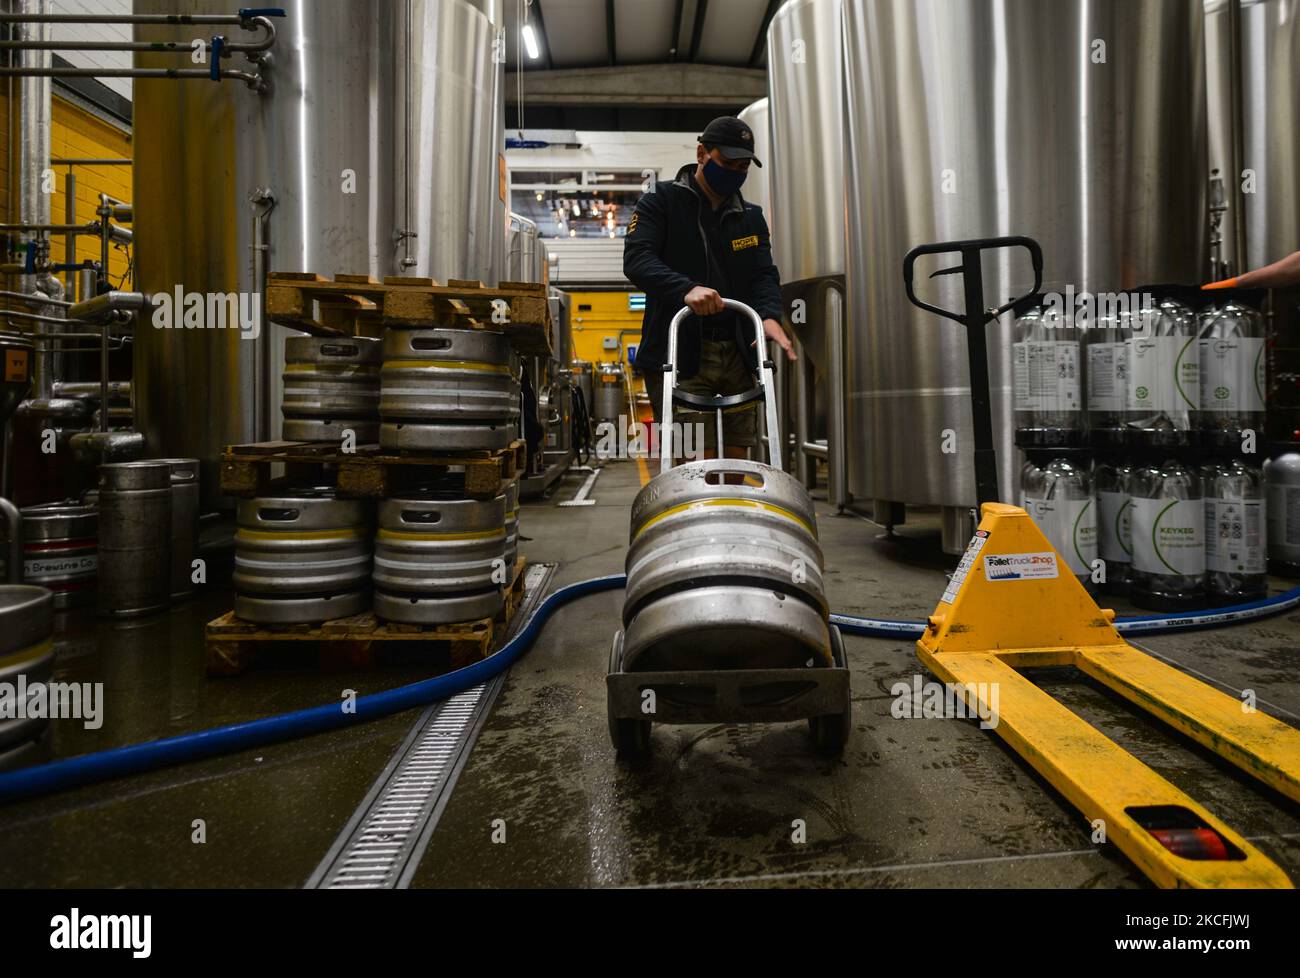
[666, 254]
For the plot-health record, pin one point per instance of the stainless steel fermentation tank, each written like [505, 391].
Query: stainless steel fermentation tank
[758, 187]
[969, 119]
[806, 179]
[1253, 116]
[376, 150]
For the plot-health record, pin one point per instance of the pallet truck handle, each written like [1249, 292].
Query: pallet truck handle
[763, 390]
[971, 252]
[975, 316]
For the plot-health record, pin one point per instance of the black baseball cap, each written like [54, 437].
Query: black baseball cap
[734, 139]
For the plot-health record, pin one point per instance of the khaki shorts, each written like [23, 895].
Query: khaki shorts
[723, 371]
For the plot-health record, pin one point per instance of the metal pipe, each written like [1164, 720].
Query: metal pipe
[48, 228]
[34, 140]
[816, 450]
[14, 552]
[30, 299]
[154, 47]
[836, 394]
[70, 240]
[262, 200]
[255, 82]
[805, 470]
[1236, 125]
[115, 161]
[181, 19]
[86, 389]
[105, 239]
[102, 307]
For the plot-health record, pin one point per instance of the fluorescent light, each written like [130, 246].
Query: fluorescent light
[530, 42]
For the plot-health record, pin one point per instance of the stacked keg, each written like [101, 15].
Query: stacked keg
[303, 557]
[61, 551]
[440, 558]
[331, 385]
[724, 571]
[446, 390]
[26, 659]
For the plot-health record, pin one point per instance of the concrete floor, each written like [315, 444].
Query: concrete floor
[915, 803]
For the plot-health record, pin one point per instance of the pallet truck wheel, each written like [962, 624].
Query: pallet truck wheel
[830, 732]
[630, 737]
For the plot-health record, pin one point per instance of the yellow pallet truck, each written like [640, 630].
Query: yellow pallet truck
[1012, 604]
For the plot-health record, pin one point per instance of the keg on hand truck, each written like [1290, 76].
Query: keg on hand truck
[725, 619]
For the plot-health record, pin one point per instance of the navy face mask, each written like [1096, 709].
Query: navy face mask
[722, 181]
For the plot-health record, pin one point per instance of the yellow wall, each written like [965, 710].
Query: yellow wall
[607, 316]
[77, 134]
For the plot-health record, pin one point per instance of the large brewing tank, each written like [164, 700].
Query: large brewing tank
[806, 173]
[805, 83]
[376, 150]
[967, 119]
[1269, 56]
[758, 188]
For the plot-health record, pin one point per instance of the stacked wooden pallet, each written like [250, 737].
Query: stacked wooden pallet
[359, 305]
[232, 646]
[260, 469]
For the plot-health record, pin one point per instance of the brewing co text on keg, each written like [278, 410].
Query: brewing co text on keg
[102, 932]
[180, 309]
[22, 700]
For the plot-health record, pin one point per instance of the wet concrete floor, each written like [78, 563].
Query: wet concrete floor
[913, 803]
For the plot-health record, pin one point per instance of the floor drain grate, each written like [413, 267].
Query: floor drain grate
[381, 845]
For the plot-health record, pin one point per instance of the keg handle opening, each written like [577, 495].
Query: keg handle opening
[429, 343]
[718, 477]
[338, 350]
[414, 516]
[278, 515]
[761, 392]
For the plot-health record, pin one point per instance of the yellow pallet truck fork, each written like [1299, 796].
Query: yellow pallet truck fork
[1013, 604]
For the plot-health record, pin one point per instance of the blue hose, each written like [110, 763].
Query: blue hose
[137, 758]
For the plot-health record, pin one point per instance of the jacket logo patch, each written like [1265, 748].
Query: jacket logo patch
[740, 244]
[631, 225]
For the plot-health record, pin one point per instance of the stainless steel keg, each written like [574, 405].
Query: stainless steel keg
[331, 385]
[135, 529]
[185, 524]
[611, 393]
[439, 558]
[446, 390]
[511, 499]
[26, 660]
[582, 379]
[724, 568]
[60, 551]
[302, 557]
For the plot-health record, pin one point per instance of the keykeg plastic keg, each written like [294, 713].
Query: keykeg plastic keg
[1236, 542]
[185, 524]
[60, 551]
[1168, 531]
[302, 557]
[724, 571]
[26, 658]
[331, 385]
[445, 390]
[135, 531]
[439, 558]
[1282, 509]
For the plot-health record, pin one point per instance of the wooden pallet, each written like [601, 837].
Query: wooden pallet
[370, 472]
[360, 305]
[232, 646]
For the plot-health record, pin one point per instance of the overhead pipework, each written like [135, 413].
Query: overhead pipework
[215, 49]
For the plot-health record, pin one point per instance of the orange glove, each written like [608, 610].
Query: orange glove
[1227, 283]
